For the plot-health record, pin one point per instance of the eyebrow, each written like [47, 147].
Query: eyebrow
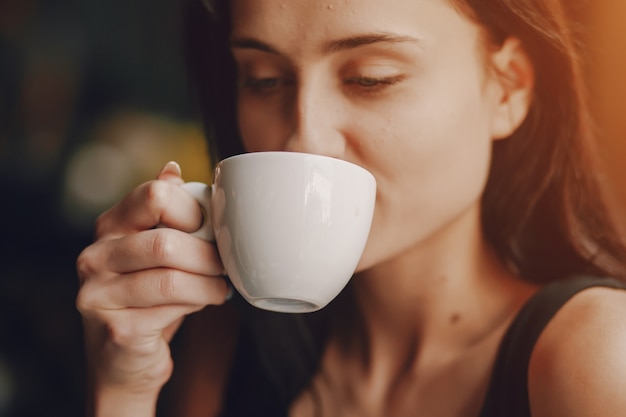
[358, 41]
[350, 42]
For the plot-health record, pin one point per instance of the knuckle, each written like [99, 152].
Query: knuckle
[84, 301]
[90, 301]
[85, 264]
[167, 284]
[164, 244]
[121, 333]
[158, 194]
[126, 335]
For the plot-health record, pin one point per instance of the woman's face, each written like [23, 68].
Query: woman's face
[400, 87]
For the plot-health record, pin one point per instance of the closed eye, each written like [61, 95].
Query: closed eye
[264, 85]
[373, 84]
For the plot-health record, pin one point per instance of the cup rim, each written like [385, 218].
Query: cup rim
[294, 155]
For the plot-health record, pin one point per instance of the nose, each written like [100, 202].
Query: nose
[315, 125]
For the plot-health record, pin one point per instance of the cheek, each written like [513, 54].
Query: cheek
[431, 166]
[435, 137]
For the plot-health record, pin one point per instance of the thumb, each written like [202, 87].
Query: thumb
[171, 172]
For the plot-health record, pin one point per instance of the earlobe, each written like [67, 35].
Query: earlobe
[513, 74]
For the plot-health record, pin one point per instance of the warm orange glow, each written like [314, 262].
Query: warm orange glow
[608, 83]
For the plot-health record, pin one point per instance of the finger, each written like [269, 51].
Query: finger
[171, 172]
[151, 288]
[137, 331]
[171, 329]
[153, 203]
[158, 248]
[167, 248]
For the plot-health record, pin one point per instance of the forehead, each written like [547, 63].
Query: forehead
[302, 22]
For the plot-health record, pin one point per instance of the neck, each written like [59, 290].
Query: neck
[436, 302]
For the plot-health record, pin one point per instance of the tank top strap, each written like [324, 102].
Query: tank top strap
[507, 395]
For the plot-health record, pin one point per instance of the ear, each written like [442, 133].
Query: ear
[513, 76]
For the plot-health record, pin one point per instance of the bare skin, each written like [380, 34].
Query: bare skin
[432, 354]
[411, 92]
[137, 284]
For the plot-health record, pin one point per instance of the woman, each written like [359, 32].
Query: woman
[469, 298]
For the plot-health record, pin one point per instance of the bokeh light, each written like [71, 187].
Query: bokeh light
[93, 101]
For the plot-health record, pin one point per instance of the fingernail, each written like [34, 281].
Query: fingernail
[172, 167]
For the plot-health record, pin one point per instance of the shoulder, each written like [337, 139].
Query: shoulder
[578, 366]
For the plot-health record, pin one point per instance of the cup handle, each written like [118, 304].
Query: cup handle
[202, 193]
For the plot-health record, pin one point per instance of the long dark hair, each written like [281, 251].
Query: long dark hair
[543, 209]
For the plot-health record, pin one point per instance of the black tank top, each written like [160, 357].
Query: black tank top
[508, 391]
[267, 378]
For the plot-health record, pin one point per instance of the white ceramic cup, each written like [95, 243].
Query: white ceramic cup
[290, 227]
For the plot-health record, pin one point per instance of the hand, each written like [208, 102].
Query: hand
[137, 283]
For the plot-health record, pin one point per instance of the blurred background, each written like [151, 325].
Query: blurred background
[93, 100]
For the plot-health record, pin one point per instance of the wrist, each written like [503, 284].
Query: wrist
[120, 394]
[110, 401]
